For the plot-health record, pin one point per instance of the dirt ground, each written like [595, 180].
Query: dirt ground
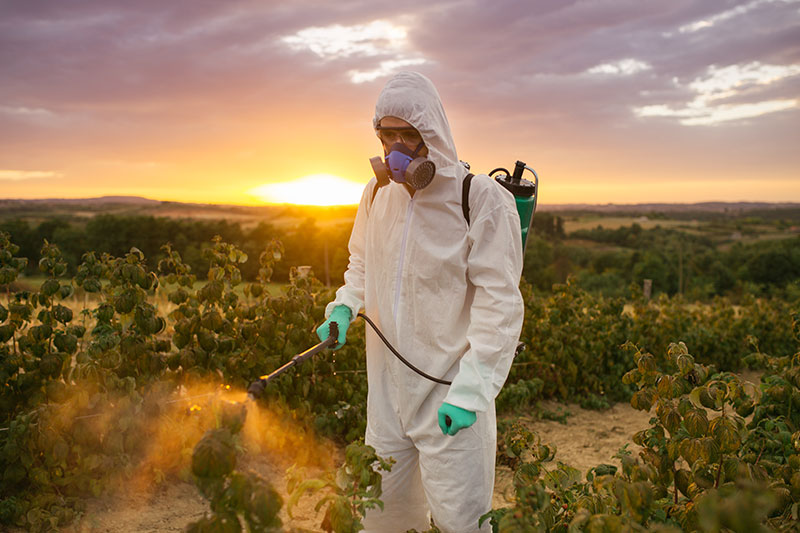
[587, 439]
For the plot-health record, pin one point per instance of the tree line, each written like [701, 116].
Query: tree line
[677, 262]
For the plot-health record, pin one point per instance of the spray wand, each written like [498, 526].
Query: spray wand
[256, 388]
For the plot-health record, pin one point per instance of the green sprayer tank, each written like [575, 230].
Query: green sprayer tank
[525, 193]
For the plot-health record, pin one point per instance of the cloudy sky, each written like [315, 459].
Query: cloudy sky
[197, 100]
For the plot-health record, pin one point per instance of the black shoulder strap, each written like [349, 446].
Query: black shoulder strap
[465, 196]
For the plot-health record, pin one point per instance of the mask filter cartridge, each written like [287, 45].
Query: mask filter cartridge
[403, 166]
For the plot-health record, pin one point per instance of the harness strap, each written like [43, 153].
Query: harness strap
[465, 185]
[465, 195]
[375, 193]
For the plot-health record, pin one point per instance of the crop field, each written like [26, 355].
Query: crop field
[124, 404]
[614, 222]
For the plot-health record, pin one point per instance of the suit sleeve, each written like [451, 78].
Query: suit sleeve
[351, 293]
[495, 319]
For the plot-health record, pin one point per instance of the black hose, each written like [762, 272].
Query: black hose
[397, 354]
[506, 172]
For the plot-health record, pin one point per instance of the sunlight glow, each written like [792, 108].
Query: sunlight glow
[317, 189]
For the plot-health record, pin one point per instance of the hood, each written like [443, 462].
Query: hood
[412, 97]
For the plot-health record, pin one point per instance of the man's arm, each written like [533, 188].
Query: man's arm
[494, 268]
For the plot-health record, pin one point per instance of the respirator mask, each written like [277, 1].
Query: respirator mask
[402, 164]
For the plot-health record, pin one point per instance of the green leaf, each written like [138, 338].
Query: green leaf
[341, 517]
[703, 474]
[685, 363]
[682, 480]
[6, 332]
[62, 314]
[310, 485]
[50, 287]
[215, 455]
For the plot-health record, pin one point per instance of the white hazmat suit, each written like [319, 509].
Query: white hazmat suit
[446, 295]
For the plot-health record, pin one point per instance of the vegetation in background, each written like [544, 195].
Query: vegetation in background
[347, 493]
[237, 498]
[711, 254]
[701, 465]
[83, 384]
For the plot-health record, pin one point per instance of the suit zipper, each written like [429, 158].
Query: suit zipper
[399, 281]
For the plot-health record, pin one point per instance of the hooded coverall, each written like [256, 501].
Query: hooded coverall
[446, 295]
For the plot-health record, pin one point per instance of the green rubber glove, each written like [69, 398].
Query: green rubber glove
[341, 315]
[459, 418]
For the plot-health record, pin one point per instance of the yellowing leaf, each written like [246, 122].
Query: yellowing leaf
[725, 435]
[696, 422]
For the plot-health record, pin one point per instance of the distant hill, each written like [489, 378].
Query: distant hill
[129, 200]
[81, 208]
[719, 207]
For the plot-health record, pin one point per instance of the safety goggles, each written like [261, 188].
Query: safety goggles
[408, 136]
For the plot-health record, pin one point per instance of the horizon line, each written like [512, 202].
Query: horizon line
[143, 199]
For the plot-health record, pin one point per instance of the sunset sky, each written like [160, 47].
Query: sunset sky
[619, 101]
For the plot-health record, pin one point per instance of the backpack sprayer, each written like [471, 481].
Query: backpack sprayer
[525, 195]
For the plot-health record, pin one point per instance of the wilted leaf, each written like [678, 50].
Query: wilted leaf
[643, 399]
[646, 363]
[664, 385]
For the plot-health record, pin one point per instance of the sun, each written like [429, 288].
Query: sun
[316, 189]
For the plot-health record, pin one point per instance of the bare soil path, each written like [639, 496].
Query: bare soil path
[587, 439]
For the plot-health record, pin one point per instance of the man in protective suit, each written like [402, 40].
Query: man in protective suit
[445, 294]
